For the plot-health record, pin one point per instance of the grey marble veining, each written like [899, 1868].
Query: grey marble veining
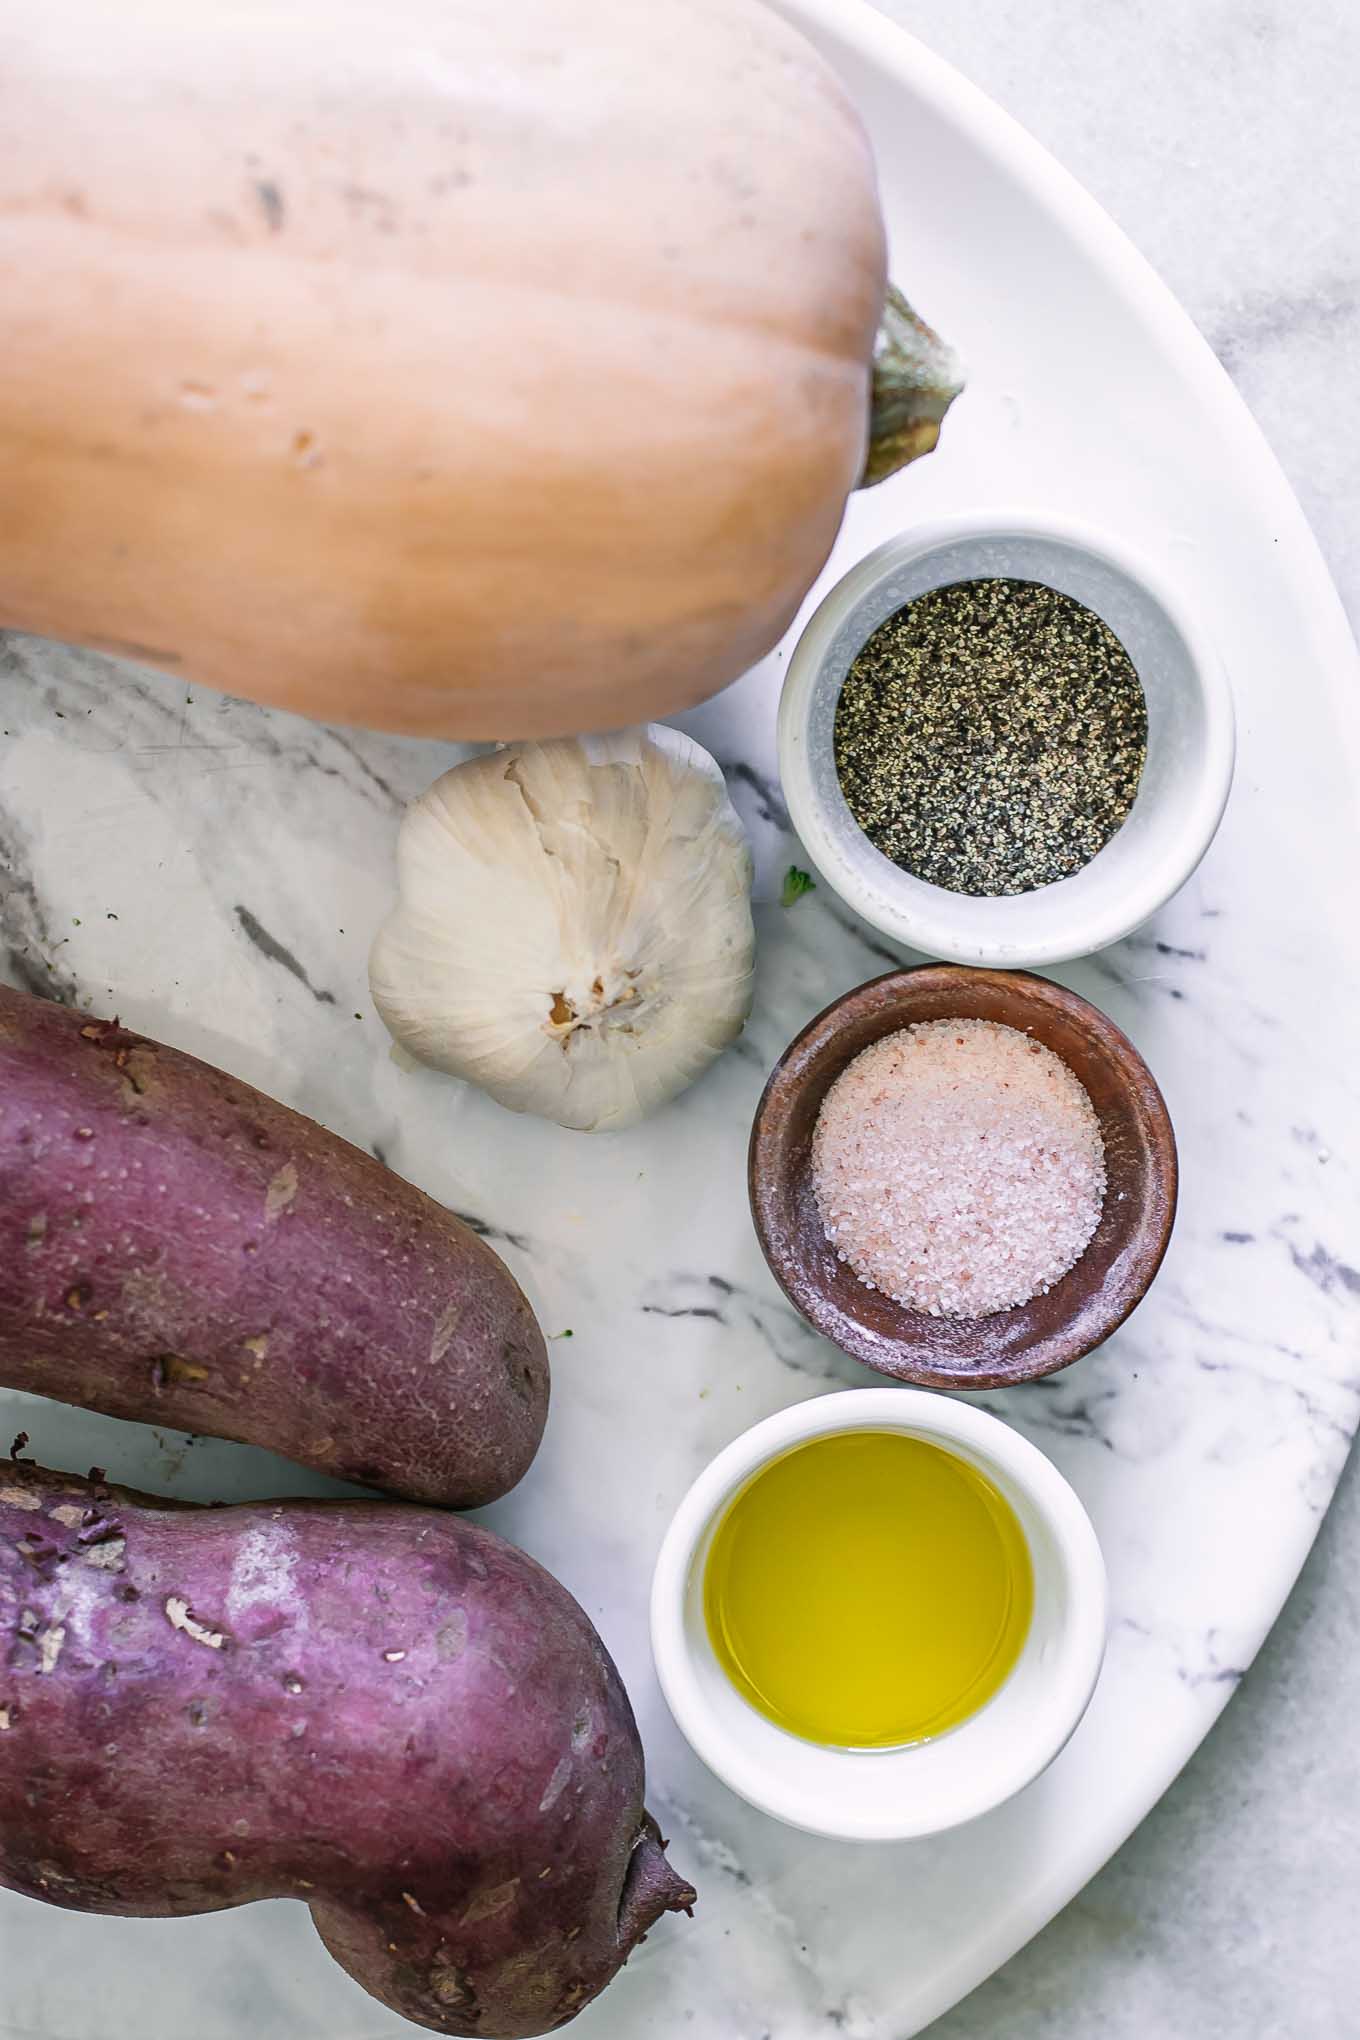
[1221, 137]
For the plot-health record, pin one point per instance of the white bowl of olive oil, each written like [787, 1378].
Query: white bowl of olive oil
[879, 1614]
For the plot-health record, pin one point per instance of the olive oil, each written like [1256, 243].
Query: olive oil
[868, 1589]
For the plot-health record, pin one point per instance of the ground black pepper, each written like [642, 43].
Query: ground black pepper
[990, 736]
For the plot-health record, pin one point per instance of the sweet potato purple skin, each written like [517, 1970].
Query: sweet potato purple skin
[384, 1711]
[179, 1249]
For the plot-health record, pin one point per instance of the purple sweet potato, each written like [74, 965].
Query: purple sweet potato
[384, 1711]
[177, 1248]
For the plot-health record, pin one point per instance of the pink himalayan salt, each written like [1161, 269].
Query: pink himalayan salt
[958, 1167]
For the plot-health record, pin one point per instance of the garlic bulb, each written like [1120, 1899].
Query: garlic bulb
[573, 925]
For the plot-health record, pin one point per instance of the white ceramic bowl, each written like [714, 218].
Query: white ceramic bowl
[1185, 782]
[890, 1795]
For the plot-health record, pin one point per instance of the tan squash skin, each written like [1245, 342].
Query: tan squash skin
[482, 368]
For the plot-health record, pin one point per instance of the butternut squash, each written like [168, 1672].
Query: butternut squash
[445, 366]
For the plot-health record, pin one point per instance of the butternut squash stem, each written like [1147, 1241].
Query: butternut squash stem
[916, 379]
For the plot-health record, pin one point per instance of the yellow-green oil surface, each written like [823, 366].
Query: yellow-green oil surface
[868, 1589]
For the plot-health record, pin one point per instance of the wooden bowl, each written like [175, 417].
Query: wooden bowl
[1031, 1339]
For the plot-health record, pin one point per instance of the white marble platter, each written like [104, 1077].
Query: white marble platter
[213, 873]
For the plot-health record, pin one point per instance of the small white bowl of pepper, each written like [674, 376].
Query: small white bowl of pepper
[1004, 740]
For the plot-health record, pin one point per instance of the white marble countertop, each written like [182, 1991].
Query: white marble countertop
[1220, 134]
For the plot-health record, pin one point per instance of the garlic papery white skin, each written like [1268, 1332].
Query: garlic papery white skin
[573, 925]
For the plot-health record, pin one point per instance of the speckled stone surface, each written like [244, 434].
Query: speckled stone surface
[1221, 137]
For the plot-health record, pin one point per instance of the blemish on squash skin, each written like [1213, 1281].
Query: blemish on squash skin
[373, 208]
[271, 203]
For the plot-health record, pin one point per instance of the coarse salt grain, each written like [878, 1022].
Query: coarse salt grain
[958, 1167]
